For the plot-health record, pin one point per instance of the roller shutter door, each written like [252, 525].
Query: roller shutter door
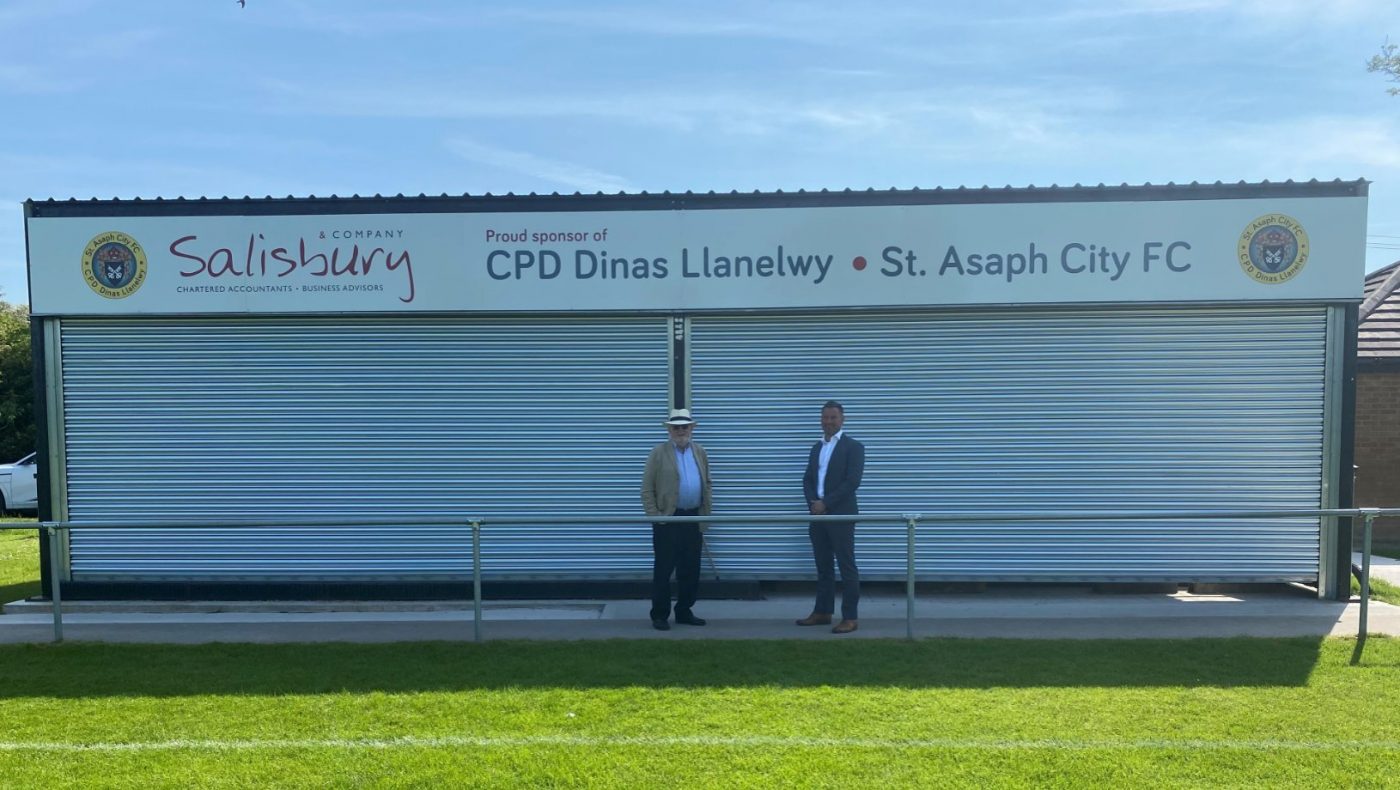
[359, 418]
[1026, 411]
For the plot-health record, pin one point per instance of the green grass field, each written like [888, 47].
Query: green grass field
[1381, 590]
[1197, 713]
[19, 563]
[945, 713]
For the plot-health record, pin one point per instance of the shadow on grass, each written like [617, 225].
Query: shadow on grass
[19, 591]
[98, 670]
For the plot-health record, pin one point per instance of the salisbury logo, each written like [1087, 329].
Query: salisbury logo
[114, 265]
[1273, 248]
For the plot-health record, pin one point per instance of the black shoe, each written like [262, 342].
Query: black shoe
[688, 619]
[661, 625]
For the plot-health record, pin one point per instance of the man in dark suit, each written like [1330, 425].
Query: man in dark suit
[834, 469]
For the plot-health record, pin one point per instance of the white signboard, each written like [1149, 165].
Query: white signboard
[1034, 253]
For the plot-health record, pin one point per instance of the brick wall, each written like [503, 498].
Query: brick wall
[1378, 445]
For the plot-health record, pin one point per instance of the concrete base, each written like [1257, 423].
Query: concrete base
[1022, 613]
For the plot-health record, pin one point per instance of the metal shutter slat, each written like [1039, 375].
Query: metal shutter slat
[1031, 410]
[359, 418]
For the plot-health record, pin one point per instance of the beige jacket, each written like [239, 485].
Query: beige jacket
[661, 480]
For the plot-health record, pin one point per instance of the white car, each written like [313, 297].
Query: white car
[18, 488]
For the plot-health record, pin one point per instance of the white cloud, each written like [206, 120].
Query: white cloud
[568, 174]
[1336, 142]
[359, 23]
[698, 20]
[17, 13]
[826, 71]
[26, 79]
[843, 117]
[771, 21]
[1226, 18]
[82, 176]
[1307, 11]
[449, 102]
[1020, 115]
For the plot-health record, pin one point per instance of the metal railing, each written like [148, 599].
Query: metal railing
[911, 521]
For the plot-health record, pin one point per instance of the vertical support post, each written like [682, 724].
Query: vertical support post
[909, 580]
[1365, 587]
[476, 580]
[55, 584]
[1334, 573]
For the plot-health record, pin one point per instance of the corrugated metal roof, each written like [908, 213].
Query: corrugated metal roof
[599, 201]
[1378, 333]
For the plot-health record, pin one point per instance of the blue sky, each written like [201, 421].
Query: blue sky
[316, 97]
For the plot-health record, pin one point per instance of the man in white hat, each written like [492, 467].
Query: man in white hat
[676, 482]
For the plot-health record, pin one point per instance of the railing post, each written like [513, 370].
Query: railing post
[1361, 628]
[55, 589]
[912, 522]
[476, 580]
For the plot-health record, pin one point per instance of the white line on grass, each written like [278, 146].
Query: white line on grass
[488, 742]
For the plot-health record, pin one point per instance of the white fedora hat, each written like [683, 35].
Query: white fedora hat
[679, 417]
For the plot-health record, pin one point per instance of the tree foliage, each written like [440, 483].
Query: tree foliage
[1388, 62]
[16, 384]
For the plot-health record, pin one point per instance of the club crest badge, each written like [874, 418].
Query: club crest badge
[1273, 248]
[114, 265]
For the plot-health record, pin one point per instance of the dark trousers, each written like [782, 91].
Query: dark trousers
[675, 548]
[834, 541]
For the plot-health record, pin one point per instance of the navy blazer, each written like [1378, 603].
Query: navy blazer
[843, 473]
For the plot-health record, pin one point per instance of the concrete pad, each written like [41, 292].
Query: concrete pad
[309, 610]
[1014, 614]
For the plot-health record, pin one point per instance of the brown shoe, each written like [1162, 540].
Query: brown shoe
[844, 627]
[815, 619]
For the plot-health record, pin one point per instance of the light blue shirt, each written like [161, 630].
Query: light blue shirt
[690, 478]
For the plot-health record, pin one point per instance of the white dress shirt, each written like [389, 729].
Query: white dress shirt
[828, 447]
